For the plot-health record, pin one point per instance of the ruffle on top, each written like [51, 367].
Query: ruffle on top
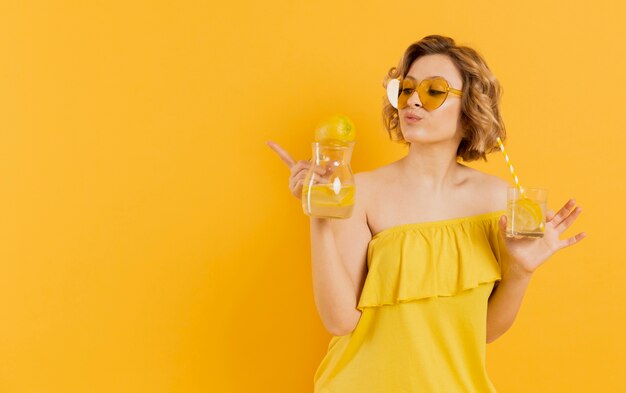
[423, 260]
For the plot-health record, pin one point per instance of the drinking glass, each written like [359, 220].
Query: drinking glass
[526, 214]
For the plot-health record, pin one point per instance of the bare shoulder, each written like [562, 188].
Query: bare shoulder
[492, 188]
[369, 182]
[366, 184]
[361, 178]
[362, 182]
[375, 176]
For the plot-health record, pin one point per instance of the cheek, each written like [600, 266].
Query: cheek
[452, 108]
[455, 109]
[448, 116]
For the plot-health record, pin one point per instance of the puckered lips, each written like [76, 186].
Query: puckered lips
[412, 117]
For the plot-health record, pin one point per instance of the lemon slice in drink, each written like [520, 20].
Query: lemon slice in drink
[528, 214]
[328, 195]
[339, 129]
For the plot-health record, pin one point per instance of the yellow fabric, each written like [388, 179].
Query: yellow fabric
[424, 311]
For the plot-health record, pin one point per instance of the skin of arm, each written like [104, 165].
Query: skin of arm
[504, 303]
[506, 298]
[338, 253]
[333, 288]
[339, 263]
[519, 262]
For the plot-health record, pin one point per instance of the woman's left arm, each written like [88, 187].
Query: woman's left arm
[525, 255]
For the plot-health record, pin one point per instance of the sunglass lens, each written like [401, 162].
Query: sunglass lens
[406, 90]
[434, 92]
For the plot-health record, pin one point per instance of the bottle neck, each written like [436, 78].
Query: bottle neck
[324, 153]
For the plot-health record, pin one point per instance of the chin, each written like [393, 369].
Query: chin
[420, 134]
[425, 139]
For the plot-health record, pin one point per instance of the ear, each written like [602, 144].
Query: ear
[393, 87]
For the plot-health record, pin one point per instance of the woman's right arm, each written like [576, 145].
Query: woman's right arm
[339, 264]
[338, 252]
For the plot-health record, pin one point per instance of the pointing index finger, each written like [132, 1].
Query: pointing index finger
[282, 153]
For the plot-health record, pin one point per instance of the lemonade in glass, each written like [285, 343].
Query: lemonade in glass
[526, 212]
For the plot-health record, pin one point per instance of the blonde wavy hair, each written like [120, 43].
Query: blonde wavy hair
[480, 117]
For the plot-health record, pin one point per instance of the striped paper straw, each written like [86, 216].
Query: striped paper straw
[508, 162]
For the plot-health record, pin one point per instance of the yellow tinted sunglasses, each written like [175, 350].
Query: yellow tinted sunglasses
[431, 92]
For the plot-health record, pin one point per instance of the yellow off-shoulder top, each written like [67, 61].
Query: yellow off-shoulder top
[424, 311]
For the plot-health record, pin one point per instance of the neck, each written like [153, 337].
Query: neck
[433, 168]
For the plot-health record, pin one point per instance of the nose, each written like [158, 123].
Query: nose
[414, 100]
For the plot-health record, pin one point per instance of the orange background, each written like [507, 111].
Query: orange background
[149, 241]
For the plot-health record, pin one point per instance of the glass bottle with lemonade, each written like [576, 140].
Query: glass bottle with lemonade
[331, 195]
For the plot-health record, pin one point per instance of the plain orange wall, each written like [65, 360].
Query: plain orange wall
[149, 241]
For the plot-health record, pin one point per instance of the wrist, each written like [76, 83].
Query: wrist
[517, 274]
[318, 222]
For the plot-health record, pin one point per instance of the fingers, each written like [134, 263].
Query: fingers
[297, 189]
[296, 183]
[300, 165]
[502, 225]
[299, 173]
[549, 215]
[573, 240]
[303, 171]
[282, 153]
[563, 213]
[567, 222]
[304, 166]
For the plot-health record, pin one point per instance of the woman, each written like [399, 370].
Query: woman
[421, 276]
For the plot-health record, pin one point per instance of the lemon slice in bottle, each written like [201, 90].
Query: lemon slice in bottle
[328, 195]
